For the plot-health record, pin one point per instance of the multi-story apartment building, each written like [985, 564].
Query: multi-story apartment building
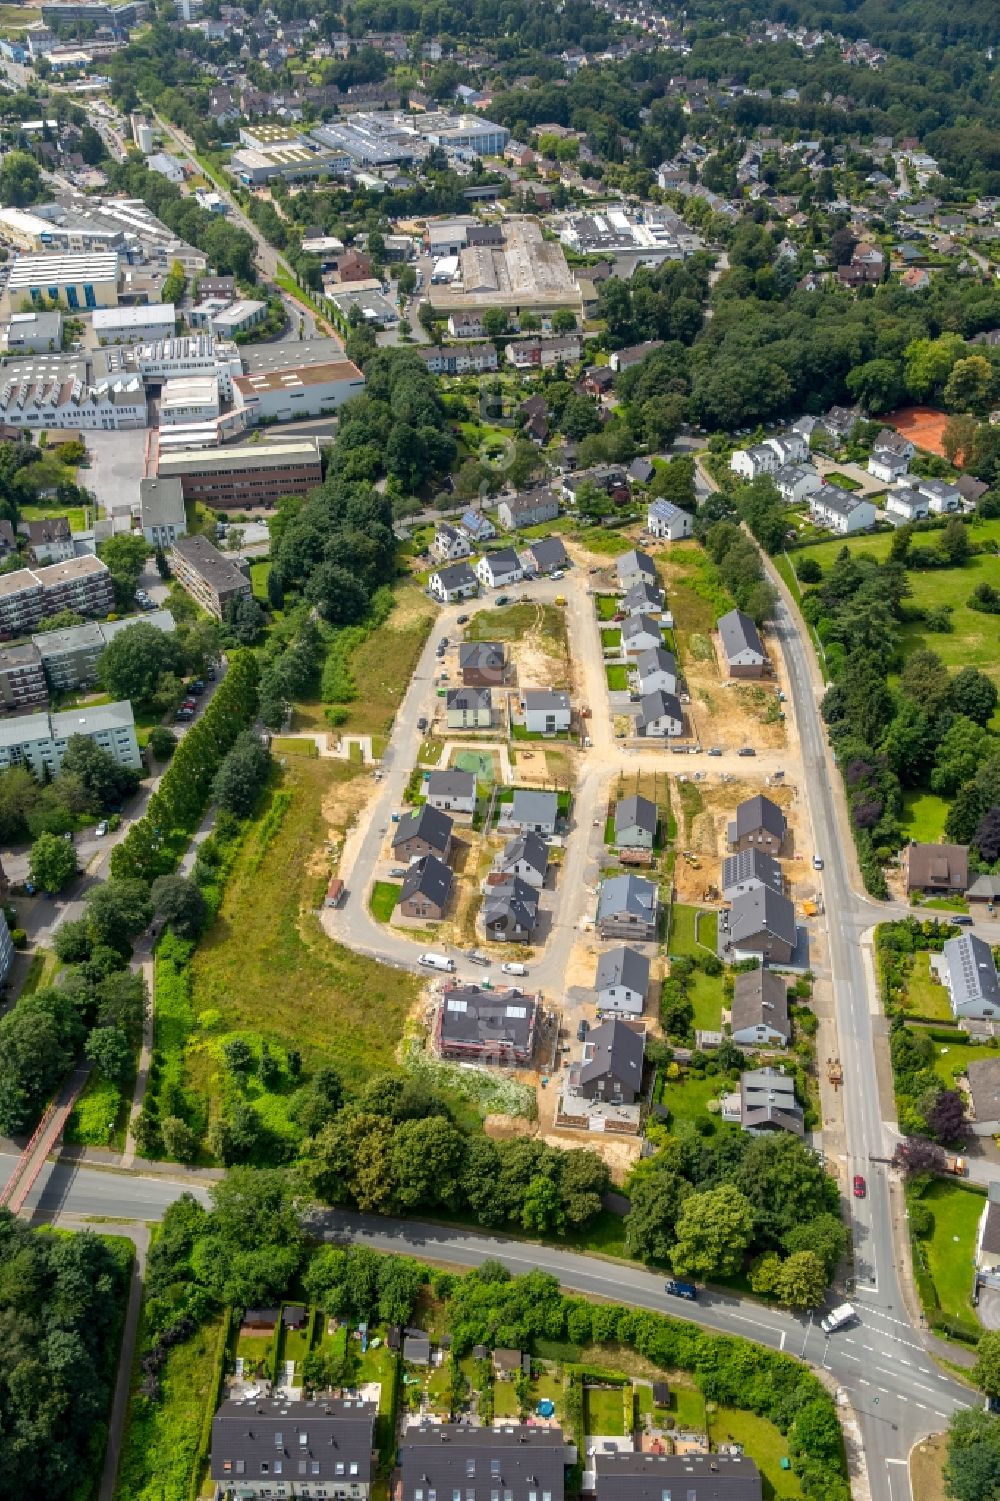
[29, 594]
[39, 741]
[208, 577]
[22, 678]
[69, 657]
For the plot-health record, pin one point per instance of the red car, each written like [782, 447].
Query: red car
[860, 1186]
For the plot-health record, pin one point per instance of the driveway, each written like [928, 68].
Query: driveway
[117, 464]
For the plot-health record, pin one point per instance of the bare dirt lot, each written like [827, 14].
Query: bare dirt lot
[703, 813]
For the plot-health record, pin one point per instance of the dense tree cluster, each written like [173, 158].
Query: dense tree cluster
[707, 1206]
[973, 1463]
[740, 569]
[61, 1302]
[91, 781]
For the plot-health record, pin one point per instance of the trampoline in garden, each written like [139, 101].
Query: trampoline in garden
[545, 1408]
[478, 762]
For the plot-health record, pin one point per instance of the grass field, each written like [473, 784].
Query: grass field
[617, 676]
[842, 481]
[687, 934]
[972, 642]
[99, 1116]
[923, 817]
[258, 578]
[289, 745]
[687, 1098]
[278, 976]
[603, 1410]
[763, 1441]
[925, 995]
[950, 1248]
[611, 639]
[162, 1437]
[607, 607]
[385, 896]
[949, 1058]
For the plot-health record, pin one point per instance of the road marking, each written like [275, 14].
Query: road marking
[849, 1356]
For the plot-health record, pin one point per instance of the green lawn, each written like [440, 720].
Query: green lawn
[687, 1098]
[923, 817]
[385, 896]
[691, 930]
[607, 607]
[762, 1441]
[99, 1116]
[162, 1437]
[925, 995]
[705, 994]
[950, 1248]
[603, 1410]
[611, 640]
[842, 481]
[609, 544]
[949, 1057]
[77, 515]
[617, 675]
[288, 745]
[258, 578]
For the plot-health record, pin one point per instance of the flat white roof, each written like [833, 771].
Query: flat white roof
[134, 317]
[66, 270]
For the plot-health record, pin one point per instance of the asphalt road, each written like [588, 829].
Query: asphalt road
[889, 1369]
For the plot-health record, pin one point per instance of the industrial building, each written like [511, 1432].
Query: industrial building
[302, 391]
[134, 325]
[208, 577]
[80, 281]
[33, 333]
[50, 391]
[248, 475]
[189, 398]
[39, 741]
[526, 274]
[646, 239]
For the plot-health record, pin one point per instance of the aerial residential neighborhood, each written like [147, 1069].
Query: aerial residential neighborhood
[499, 751]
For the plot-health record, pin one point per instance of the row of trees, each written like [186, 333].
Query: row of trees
[153, 844]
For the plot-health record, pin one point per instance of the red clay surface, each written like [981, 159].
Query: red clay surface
[922, 425]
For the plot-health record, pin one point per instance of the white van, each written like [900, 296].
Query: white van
[838, 1318]
[510, 968]
[437, 961]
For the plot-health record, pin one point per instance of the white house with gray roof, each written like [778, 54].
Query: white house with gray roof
[664, 519]
[452, 791]
[449, 544]
[525, 856]
[748, 869]
[840, 511]
[537, 812]
[657, 671]
[455, 582]
[635, 823]
[640, 633]
[660, 716]
[495, 570]
[546, 711]
[970, 974]
[643, 598]
[621, 981]
[633, 567]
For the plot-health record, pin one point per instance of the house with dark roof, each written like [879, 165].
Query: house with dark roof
[524, 1463]
[759, 824]
[633, 567]
[759, 1011]
[534, 812]
[660, 716]
[525, 856]
[988, 1232]
[635, 823]
[492, 1026]
[983, 1113]
[496, 570]
[457, 581]
[426, 889]
[768, 1103]
[483, 664]
[628, 906]
[759, 922]
[264, 1446]
[639, 1476]
[449, 544]
[742, 648]
[510, 909]
[425, 831]
[751, 867]
[970, 974]
[535, 506]
[984, 889]
[547, 553]
[641, 471]
[469, 708]
[546, 711]
[657, 671]
[610, 1071]
[621, 981]
[643, 598]
[938, 869]
[664, 519]
[452, 791]
[640, 633]
[416, 1347]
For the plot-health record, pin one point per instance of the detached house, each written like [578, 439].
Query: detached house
[640, 633]
[938, 869]
[483, 664]
[531, 509]
[751, 463]
[486, 1026]
[452, 792]
[758, 823]
[546, 711]
[533, 812]
[510, 909]
[477, 527]
[628, 906]
[426, 831]
[546, 554]
[762, 922]
[449, 545]
[742, 647]
[664, 519]
[643, 598]
[750, 868]
[498, 570]
[635, 823]
[759, 1013]
[635, 567]
[426, 889]
[611, 1069]
[657, 671]
[525, 856]
[970, 974]
[469, 709]
[660, 716]
[453, 583]
[621, 981]
[768, 1103]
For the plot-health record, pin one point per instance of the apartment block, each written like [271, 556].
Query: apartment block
[69, 657]
[39, 741]
[22, 678]
[208, 577]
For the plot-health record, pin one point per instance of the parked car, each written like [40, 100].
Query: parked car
[962, 920]
[860, 1186]
[678, 1289]
[716, 750]
[557, 573]
[197, 687]
[503, 599]
[421, 723]
[817, 862]
[102, 828]
[746, 750]
[582, 1030]
[462, 620]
